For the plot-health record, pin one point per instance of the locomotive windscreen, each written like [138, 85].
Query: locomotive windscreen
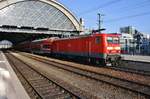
[113, 40]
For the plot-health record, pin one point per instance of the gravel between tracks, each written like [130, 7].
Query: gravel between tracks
[102, 70]
[102, 90]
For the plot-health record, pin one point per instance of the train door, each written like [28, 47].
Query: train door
[89, 49]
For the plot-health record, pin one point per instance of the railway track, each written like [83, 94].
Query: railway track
[118, 68]
[131, 70]
[138, 66]
[37, 85]
[121, 68]
[133, 86]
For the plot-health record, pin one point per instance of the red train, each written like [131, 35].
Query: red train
[97, 48]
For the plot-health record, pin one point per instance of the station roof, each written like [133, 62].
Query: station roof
[48, 14]
[37, 13]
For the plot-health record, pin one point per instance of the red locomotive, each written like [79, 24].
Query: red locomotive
[97, 48]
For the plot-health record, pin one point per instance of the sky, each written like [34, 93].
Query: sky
[116, 13]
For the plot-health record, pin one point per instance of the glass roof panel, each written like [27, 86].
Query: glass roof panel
[35, 14]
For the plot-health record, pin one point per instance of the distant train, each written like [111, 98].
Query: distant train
[96, 48]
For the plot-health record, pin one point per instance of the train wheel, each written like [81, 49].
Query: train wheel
[102, 63]
[119, 61]
[92, 61]
[114, 63]
[97, 62]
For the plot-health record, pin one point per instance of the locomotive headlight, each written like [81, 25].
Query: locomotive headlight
[113, 48]
[109, 48]
[117, 48]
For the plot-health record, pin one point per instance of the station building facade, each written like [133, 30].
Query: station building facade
[134, 42]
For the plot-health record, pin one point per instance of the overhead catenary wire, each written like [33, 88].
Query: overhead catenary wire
[128, 17]
[100, 6]
[134, 7]
[137, 5]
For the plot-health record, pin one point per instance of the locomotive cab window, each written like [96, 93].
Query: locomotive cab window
[109, 39]
[114, 40]
[97, 40]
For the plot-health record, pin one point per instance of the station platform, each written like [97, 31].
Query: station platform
[139, 58]
[10, 86]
